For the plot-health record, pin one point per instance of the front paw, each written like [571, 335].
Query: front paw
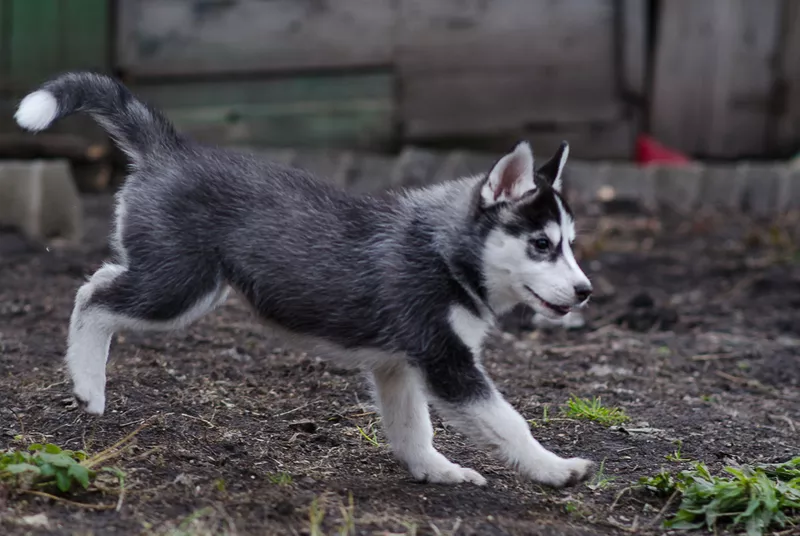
[563, 473]
[90, 397]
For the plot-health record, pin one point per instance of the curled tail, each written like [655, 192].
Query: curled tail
[138, 129]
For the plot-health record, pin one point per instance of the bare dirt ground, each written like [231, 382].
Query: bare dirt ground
[695, 332]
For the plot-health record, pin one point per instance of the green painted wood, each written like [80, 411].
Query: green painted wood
[35, 46]
[46, 37]
[342, 111]
[86, 34]
[4, 35]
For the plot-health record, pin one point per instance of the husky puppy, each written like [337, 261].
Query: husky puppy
[404, 285]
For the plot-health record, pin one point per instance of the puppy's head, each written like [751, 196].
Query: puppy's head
[527, 256]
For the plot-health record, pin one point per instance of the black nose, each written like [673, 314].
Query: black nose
[582, 292]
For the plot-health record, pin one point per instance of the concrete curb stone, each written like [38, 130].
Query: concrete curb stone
[40, 199]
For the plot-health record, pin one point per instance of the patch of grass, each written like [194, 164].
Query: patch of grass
[594, 410]
[205, 521]
[576, 509]
[316, 514]
[545, 417]
[600, 480]
[348, 527]
[756, 498]
[677, 456]
[708, 399]
[571, 507]
[370, 434]
[280, 479]
[661, 483]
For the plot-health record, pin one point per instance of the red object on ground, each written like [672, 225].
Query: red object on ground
[650, 151]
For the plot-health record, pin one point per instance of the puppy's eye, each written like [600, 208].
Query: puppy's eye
[542, 245]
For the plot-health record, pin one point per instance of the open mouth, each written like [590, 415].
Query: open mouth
[560, 310]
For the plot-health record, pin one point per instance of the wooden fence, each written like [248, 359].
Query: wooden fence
[716, 78]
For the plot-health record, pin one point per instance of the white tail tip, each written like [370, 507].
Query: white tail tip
[37, 111]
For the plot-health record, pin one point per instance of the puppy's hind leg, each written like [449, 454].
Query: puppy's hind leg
[115, 299]
[90, 331]
[406, 422]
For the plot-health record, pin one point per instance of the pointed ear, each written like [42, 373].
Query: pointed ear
[553, 168]
[510, 178]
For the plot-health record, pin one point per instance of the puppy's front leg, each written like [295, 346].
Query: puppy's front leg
[466, 397]
[407, 424]
[491, 421]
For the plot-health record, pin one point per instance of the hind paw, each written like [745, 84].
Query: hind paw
[434, 468]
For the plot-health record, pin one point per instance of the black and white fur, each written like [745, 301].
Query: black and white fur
[405, 285]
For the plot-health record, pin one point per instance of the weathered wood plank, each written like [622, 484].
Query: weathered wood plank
[713, 77]
[196, 36]
[354, 111]
[785, 137]
[608, 140]
[477, 67]
[482, 102]
[633, 19]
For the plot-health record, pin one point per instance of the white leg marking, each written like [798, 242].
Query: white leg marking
[407, 424]
[91, 328]
[90, 331]
[470, 328]
[494, 423]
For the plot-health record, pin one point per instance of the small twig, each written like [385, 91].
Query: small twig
[293, 410]
[121, 494]
[366, 414]
[570, 349]
[72, 503]
[714, 357]
[47, 387]
[784, 418]
[616, 524]
[732, 378]
[209, 423]
[114, 449]
[663, 509]
[619, 496]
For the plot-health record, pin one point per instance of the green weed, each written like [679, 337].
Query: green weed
[49, 467]
[370, 434]
[281, 479]
[755, 498]
[316, 514]
[348, 527]
[677, 456]
[545, 417]
[593, 410]
[600, 480]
